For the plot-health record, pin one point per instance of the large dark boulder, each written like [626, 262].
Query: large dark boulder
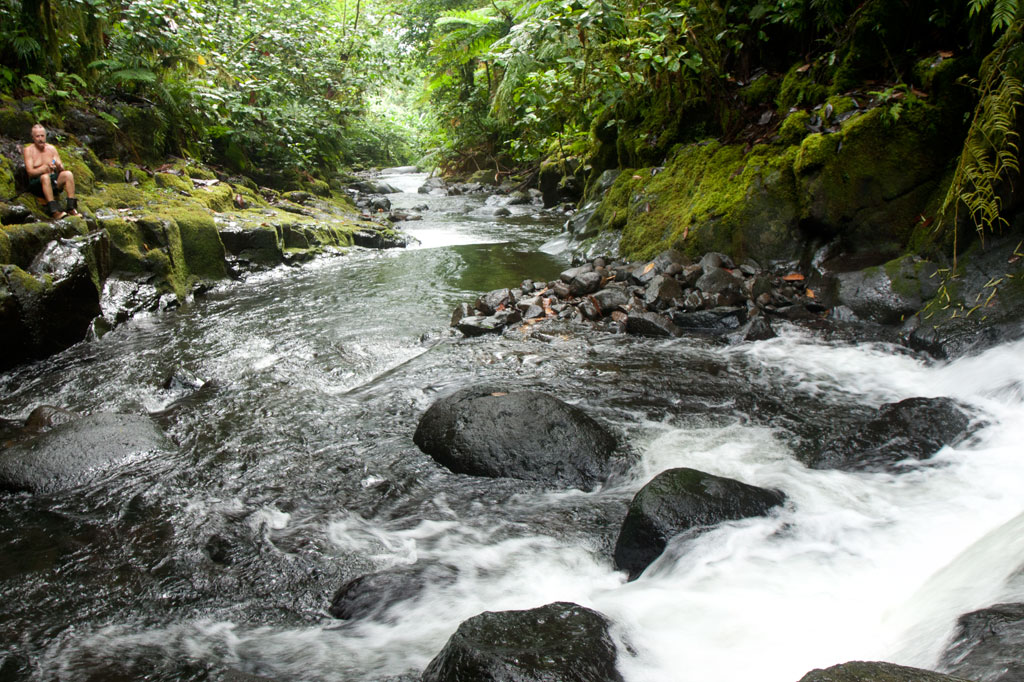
[50, 306]
[560, 642]
[912, 428]
[491, 430]
[889, 293]
[989, 645]
[680, 500]
[873, 671]
[71, 453]
[371, 594]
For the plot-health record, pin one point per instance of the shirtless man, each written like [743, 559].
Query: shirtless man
[47, 176]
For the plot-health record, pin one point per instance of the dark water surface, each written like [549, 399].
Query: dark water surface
[296, 471]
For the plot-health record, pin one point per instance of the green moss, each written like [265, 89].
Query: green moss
[15, 122]
[175, 182]
[714, 197]
[22, 282]
[194, 170]
[613, 212]
[85, 180]
[815, 151]
[317, 187]
[26, 241]
[7, 190]
[762, 90]
[219, 197]
[126, 245]
[794, 128]
[5, 247]
[873, 198]
[116, 196]
[167, 260]
[799, 88]
[201, 245]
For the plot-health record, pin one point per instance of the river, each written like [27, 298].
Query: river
[296, 472]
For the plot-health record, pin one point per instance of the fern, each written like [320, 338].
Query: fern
[1004, 12]
[26, 47]
[991, 152]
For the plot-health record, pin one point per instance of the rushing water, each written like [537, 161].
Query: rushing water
[296, 472]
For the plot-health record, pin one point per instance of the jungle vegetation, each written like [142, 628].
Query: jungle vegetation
[500, 85]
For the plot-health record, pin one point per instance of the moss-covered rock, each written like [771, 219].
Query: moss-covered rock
[794, 128]
[870, 183]
[874, 200]
[173, 181]
[7, 190]
[710, 197]
[800, 87]
[25, 242]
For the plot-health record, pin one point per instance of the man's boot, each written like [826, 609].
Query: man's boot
[71, 206]
[53, 207]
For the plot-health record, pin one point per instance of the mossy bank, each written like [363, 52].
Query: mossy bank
[150, 237]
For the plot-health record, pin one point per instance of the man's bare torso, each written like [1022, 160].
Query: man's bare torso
[37, 161]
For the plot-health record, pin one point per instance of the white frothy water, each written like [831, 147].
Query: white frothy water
[857, 566]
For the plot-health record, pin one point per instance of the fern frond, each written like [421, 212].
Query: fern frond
[990, 158]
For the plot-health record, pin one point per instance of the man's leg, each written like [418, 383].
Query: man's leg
[66, 182]
[52, 206]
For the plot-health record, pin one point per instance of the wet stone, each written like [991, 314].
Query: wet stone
[585, 283]
[612, 297]
[493, 301]
[661, 291]
[650, 324]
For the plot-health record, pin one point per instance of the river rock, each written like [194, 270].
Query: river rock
[661, 292]
[496, 431]
[680, 500]
[45, 417]
[612, 297]
[70, 453]
[559, 642]
[989, 645]
[493, 301]
[650, 324]
[51, 306]
[757, 329]
[379, 239]
[432, 185]
[889, 293]
[374, 187]
[866, 671]
[260, 244]
[716, 321]
[372, 594]
[912, 428]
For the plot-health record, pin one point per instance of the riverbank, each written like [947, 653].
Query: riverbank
[151, 238]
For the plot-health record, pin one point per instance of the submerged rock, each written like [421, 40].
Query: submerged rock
[559, 642]
[864, 671]
[495, 431]
[70, 453]
[680, 500]
[989, 645]
[913, 428]
[371, 594]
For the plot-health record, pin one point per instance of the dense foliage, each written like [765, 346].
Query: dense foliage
[277, 83]
[621, 81]
[322, 83]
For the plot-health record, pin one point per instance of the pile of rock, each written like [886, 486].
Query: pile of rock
[667, 296]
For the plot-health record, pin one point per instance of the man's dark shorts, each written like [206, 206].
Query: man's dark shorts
[35, 185]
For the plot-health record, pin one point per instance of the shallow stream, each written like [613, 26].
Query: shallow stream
[296, 472]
